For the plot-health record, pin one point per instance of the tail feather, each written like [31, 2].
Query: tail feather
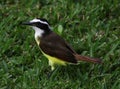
[84, 58]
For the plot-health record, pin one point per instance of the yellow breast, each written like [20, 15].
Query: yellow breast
[37, 40]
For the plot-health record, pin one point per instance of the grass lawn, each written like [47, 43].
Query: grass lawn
[92, 27]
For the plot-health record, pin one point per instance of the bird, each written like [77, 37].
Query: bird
[54, 47]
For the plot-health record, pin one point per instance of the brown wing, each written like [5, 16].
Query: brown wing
[54, 45]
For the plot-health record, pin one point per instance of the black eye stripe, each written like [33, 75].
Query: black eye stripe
[41, 25]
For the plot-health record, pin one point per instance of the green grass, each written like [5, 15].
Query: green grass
[92, 27]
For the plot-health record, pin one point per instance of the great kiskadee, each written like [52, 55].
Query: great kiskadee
[53, 46]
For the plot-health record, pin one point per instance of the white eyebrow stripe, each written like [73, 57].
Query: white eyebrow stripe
[37, 20]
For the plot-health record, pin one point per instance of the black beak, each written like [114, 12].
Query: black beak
[27, 23]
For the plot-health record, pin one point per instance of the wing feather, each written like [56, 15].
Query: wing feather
[55, 46]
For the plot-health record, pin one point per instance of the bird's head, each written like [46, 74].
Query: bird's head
[38, 24]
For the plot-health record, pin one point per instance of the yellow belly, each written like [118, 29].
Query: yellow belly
[54, 61]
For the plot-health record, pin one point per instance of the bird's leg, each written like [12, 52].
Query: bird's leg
[53, 72]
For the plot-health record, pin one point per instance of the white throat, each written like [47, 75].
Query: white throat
[38, 32]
